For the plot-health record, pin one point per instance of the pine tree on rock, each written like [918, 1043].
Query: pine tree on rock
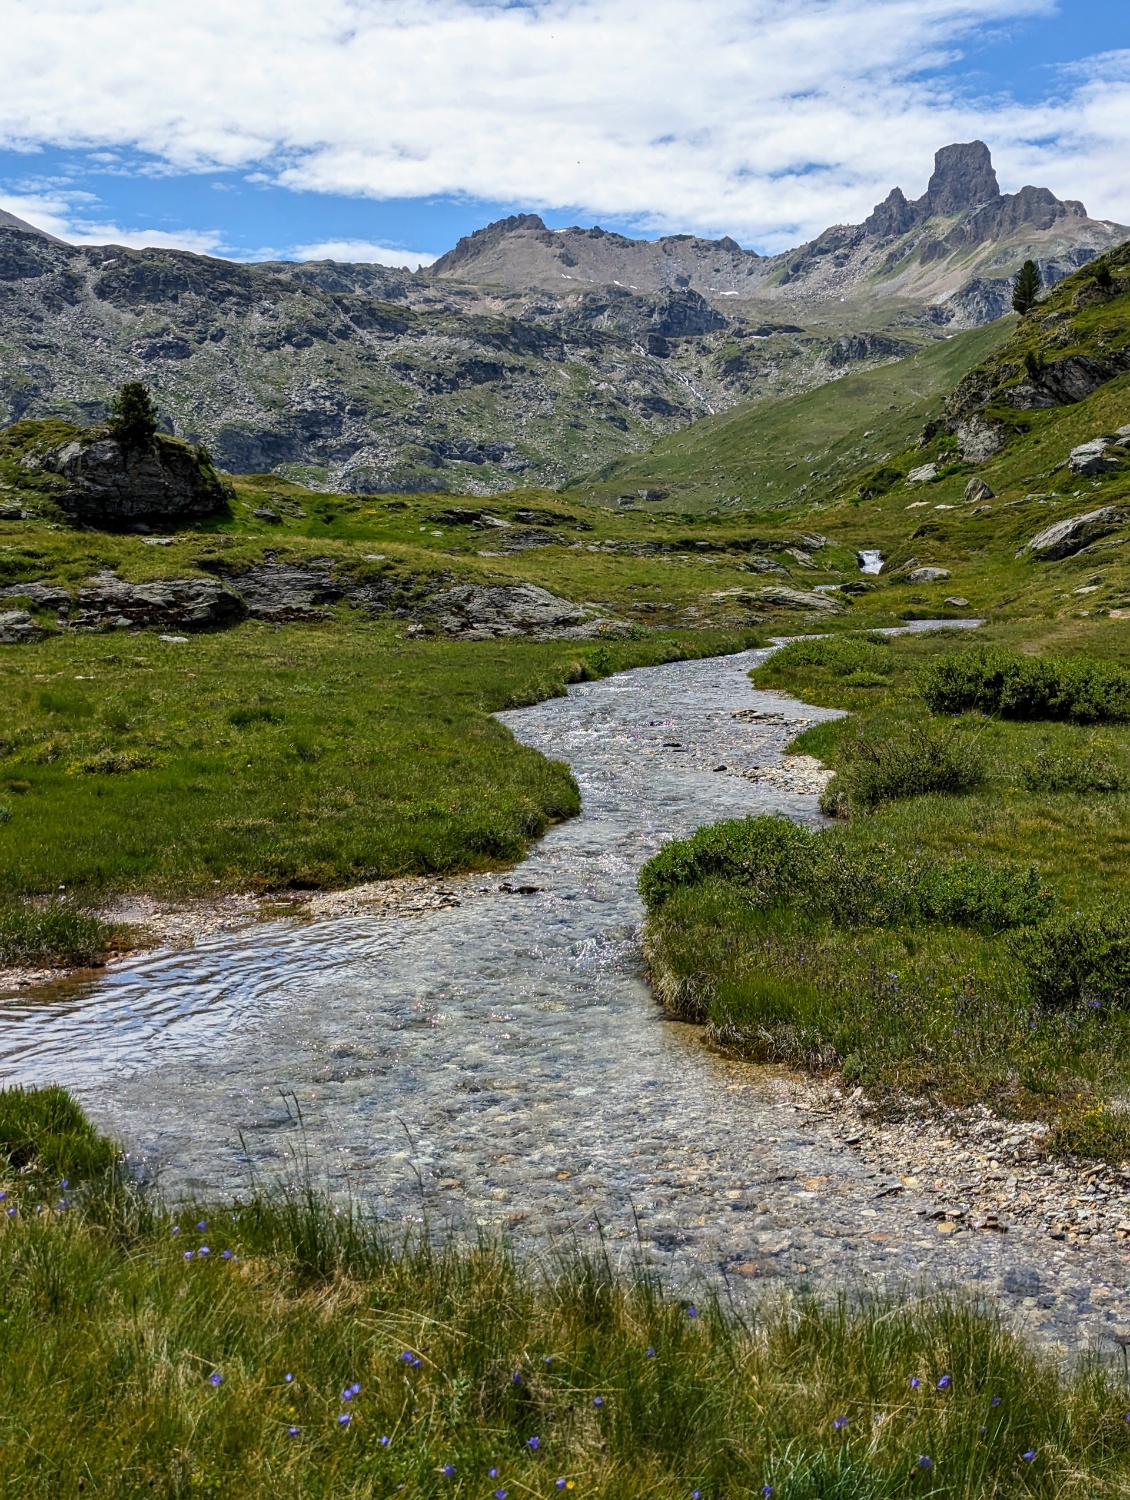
[1027, 289]
[133, 417]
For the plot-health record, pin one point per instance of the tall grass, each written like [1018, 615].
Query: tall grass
[320, 1356]
[53, 933]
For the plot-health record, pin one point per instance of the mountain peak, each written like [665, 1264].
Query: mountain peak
[963, 178]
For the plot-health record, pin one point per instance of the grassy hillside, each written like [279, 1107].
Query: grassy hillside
[798, 451]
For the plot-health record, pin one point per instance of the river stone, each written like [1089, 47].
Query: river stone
[978, 440]
[778, 597]
[1064, 538]
[927, 575]
[473, 612]
[107, 484]
[188, 603]
[977, 490]
[1092, 458]
[17, 627]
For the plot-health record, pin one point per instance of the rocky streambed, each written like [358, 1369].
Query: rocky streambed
[492, 1060]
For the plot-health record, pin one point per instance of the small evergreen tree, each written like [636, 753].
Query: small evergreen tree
[133, 416]
[1027, 288]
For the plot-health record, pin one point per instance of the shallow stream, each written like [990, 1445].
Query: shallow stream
[502, 1065]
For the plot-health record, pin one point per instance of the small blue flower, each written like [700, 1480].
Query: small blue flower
[216, 1378]
[517, 1377]
[549, 1359]
[449, 1470]
[996, 1401]
[914, 1382]
[945, 1382]
[204, 1250]
[416, 1363]
[925, 1461]
[492, 1473]
[839, 1424]
[356, 1388]
[188, 1254]
[534, 1443]
[225, 1255]
[1029, 1457]
[766, 1490]
[288, 1377]
[500, 1495]
[347, 1394]
[176, 1229]
[345, 1419]
[64, 1183]
[696, 1495]
[407, 1356]
[692, 1311]
[598, 1400]
[203, 1224]
[292, 1431]
[385, 1441]
[650, 1352]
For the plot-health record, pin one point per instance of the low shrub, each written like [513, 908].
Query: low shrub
[1069, 769]
[56, 934]
[912, 760]
[1082, 958]
[994, 681]
[775, 863]
[840, 655]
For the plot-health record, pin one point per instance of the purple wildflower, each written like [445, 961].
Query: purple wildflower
[996, 1401]
[945, 1382]
[839, 1424]
[345, 1419]
[288, 1377]
[914, 1382]
[176, 1229]
[204, 1250]
[492, 1473]
[517, 1377]
[925, 1461]
[500, 1495]
[449, 1470]
[203, 1224]
[598, 1400]
[292, 1431]
[347, 1394]
[650, 1352]
[225, 1255]
[216, 1378]
[692, 1311]
[385, 1442]
[188, 1254]
[1029, 1456]
[534, 1443]
[766, 1490]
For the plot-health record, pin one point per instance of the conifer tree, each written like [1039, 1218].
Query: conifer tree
[1027, 288]
[133, 416]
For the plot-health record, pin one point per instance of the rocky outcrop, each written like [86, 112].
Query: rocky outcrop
[17, 627]
[473, 612]
[777, 597]
[184, 603]
[1065, 538]
[107, 484]
[1101, 455]
[978, 440]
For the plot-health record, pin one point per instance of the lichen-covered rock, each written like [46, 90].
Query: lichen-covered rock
[109, 485]
[1065, 538]
[978, 440]
[17, 627]
[777, 597]
[1093, 458]
[977, 490]
[187, 603]
[923, 474]
[927, 575]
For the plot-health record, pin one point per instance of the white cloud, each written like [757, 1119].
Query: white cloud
[59, 215]
[764, 118]
[362, 251]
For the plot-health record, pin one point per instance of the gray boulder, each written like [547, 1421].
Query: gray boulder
[475, 612]
[1092, 458]
[1065, 538]
[923, 474]
[977, 490]
[285, 591]
[978, 440]
[106, 484]
[187, 603]
[927, 575]
[17, 628]
[777, 597]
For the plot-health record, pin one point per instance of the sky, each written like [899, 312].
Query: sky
[382, 130]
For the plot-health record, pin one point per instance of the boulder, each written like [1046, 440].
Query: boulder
[472, 612]
[927, 575]
[284, 591]
[763, 565]
[106, 484]
[923, 474]
[977, 490]
[957, 601]
[1092, 458]
[978, 440]
[1065, 538]
[17, 627]
[777, 597]
[187, 603]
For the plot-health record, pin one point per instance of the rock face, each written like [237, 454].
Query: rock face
[17, 627]
[110, 485]
[1065, 538]
[777, 597]
[978, 440]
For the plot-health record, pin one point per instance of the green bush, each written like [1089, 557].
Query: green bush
[54, 934]
[775, 863]
[1080, 959]
[1072, 770]
[994, 681]
[842, 655]
[911, 760]
[44, 1132]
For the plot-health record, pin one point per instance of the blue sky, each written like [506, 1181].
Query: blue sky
[386, 129]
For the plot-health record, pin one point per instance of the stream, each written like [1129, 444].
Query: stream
[501, 1066]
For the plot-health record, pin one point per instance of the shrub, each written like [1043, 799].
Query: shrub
[1070, 770]
[995, 681]
[1080, 959]
[842, 656]
[912, 761]
[775, 863]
